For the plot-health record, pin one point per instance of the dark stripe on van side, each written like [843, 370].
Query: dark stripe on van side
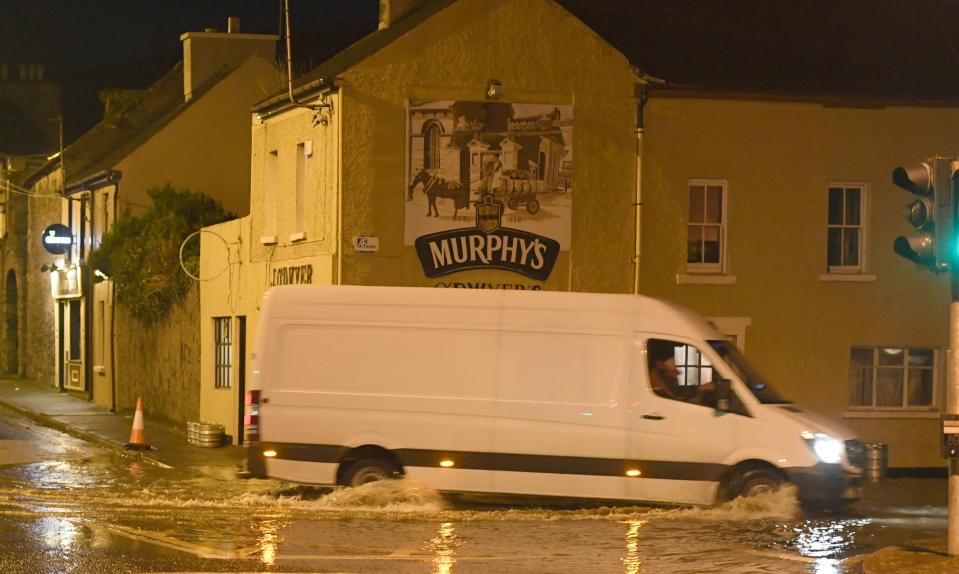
[513, 462]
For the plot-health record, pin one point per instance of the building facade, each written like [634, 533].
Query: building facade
[431, 154]
[435, 154]
[189, 130]
[782, 212]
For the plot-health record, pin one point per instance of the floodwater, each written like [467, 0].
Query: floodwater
[99, 505]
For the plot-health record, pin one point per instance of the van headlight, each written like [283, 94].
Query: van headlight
[827, 448]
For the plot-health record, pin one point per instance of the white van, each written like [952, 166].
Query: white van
[529, 393]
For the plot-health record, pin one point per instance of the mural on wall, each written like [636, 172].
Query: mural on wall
[490, 185]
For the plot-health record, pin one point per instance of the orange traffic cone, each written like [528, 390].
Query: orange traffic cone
[137, 441]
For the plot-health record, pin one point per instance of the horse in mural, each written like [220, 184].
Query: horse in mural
[435, 186]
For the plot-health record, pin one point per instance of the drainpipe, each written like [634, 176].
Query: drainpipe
[339, 192]
[638, 201]
[113, 312]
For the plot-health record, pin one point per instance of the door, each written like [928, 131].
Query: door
[685, 441]
[73, 359]
[241, 378]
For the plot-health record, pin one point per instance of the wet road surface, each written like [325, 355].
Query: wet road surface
[68, 507]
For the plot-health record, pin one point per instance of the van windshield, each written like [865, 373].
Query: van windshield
[757, 385]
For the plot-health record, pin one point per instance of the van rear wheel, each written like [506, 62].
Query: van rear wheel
[368, 470]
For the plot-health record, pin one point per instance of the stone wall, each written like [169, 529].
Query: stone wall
[38, 330]
[160, 362]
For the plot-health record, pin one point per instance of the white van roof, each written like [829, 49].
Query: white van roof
[599, 310]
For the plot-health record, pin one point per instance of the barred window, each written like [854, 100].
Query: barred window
[431, 145]
[223, 352]
[892, 377]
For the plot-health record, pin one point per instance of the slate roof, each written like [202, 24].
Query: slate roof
[127, 127]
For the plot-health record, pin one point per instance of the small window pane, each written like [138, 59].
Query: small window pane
[850, 246]
[835, 246]
[711, 245]
[921, 357]
[860, 378]
[852, 206]
[889, 387]
[920, 387]
[891, 356]
[714, 204]
[694, 246]
[835, 206]
[697, 203]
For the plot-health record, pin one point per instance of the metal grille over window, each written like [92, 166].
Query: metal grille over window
[844, 251]
[704, 246]
[892, 377]
[222, 327]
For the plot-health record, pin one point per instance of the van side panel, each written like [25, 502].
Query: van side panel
[384, 382]
[560, 421]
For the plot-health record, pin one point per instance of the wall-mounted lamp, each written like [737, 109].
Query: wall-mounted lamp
[494, 89]
[101, 274]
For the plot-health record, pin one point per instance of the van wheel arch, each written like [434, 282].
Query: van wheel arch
[367, 452]
[736, 478]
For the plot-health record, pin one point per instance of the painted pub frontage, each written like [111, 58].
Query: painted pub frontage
[431, 154]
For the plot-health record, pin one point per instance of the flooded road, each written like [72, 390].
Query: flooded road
[67, 507]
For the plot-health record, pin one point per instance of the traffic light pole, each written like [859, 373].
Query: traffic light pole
[952, 408]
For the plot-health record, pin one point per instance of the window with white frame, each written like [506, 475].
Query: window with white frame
[892, 377]
[706, 231]
[223, 352]
[845, 230]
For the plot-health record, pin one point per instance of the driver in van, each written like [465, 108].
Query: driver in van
[664, 376]
[663, 373]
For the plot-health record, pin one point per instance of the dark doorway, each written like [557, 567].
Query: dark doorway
[13, 324]
[241, 379]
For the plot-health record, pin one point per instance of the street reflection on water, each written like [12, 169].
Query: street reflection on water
[96, 501]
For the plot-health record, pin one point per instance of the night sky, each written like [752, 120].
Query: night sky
[94, 44]
[850, 47]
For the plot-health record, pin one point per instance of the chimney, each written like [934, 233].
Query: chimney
[206, 53]
[392, 11]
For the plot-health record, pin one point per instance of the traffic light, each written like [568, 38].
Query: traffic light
[931, 212]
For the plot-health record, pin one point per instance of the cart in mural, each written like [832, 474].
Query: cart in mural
[519, 190]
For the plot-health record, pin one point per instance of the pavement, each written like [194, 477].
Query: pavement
[83, 419]
[922, 557]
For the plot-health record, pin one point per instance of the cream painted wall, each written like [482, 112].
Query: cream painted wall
[451, 56]
[541, 54]
[233, 286]
[206, 147]
[778, 159]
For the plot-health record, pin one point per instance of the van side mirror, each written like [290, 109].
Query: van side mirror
[722, 395]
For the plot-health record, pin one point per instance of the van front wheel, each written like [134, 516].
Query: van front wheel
[367, 470]
[758, 481]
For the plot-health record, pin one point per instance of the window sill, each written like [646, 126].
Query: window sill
[848, 277]
[892, 414]
[298, 236]
[705, 279]
[268, 240]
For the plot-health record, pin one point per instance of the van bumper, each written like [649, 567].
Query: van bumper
[826, 484]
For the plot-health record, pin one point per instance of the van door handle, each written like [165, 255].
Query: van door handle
[654, 417]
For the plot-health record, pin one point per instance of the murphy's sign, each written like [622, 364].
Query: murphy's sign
[489, 245]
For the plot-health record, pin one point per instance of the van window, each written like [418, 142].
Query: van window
[580, 368]
[680, 372]
[443, 362]
[757, 385]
